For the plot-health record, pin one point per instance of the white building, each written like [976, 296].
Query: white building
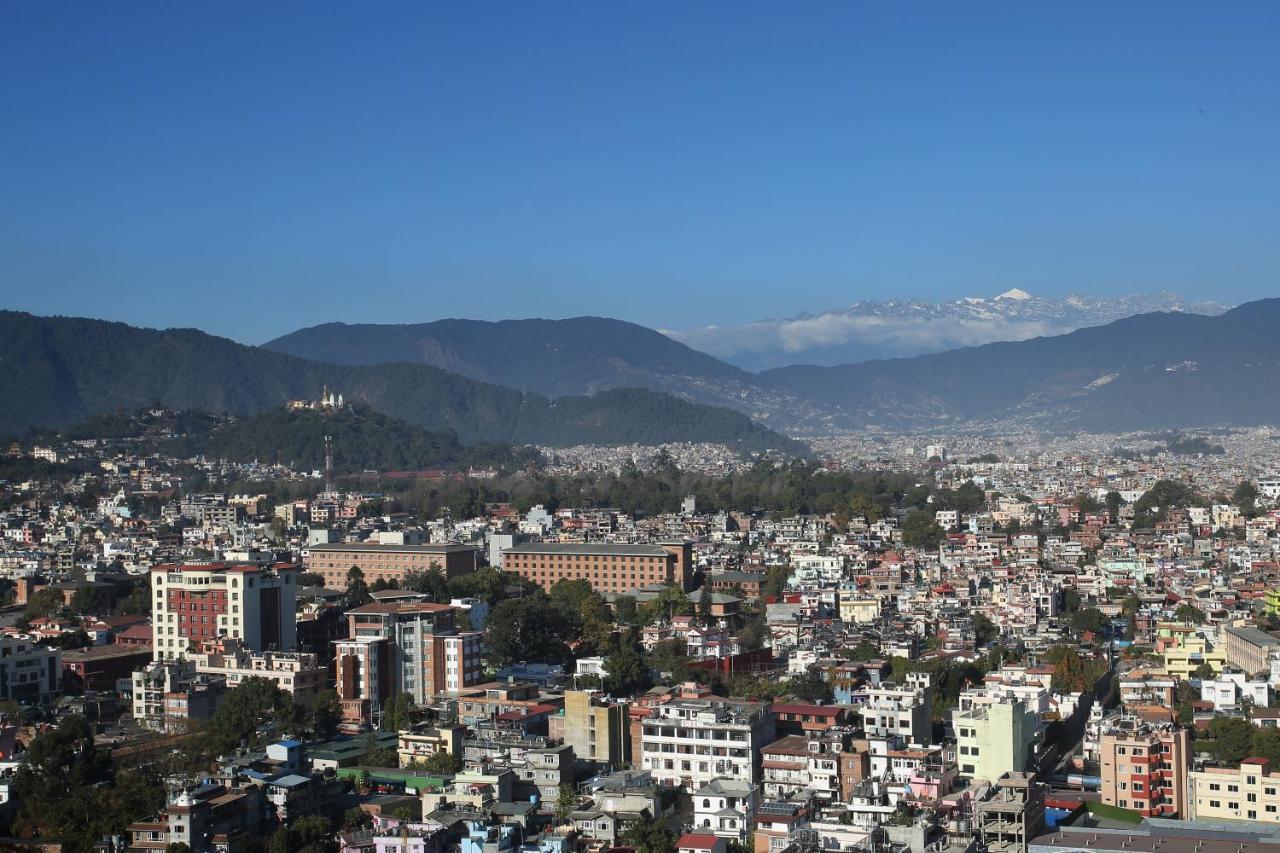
[692, 741]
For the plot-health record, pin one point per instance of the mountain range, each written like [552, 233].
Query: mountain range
[894, 328]
[595, 380]
[57, 370]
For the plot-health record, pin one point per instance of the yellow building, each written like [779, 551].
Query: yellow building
[1192, 652]
[1271, 603]
[1247, 792]
[858, 609]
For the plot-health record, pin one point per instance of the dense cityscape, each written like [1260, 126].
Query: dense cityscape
[716, 427]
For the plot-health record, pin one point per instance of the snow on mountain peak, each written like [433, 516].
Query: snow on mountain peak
[1015, 293]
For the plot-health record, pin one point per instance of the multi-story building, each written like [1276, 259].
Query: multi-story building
[299, 673]
[388, 562]
[1144, 767]
[725, 808]
[994, 739]
[193, 602]
[903, 711]
[1013, 815]
[168, 695]
[204, 819]
[419, 744]
[804, 763]
[607, 567]
[1248, 792]
[596, 728]
[409, 647]
[1249, 648]
[693, 741]
[28, 670]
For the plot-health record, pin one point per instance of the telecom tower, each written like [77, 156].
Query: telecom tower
[328, 464]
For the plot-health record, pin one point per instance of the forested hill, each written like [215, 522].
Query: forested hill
[57, 371]
[362, 440]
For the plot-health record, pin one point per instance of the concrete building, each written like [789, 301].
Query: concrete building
[901, 710]
[422, 743]
[693, 741]
[994, 739]
[726, 808]
[1014, 814]
[193, 602]
[28, 670]
[597, 729]
[1249, 792]
[409, 647]
[168, 695]
[388, 562]
[299, 673]
[1249, 648]
[1144, 767]
[608, 567]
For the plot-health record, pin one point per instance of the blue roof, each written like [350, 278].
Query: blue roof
[288, 744]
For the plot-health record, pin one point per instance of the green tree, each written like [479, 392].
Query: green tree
[357, 589]
[628, 673]
[324, 713]
[624, 609]
[1245, 498]
[443, 763]
[1189, 613]
[1233, 738]
[398, 713]
[534, 627]
[984, 630]
[1090, 619]
[920, 530]
[650, 836]
[566, 802]
[705, 617]
[811, 687]
[431, 582]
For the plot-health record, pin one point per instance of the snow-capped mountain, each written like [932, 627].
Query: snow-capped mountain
[890, 328]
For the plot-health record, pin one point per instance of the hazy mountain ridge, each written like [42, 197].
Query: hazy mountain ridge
[894, 328]
[57, 370]
[580, 355]
[1148, 371]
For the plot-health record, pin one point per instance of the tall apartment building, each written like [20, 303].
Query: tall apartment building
[596, 728]
[388, 562]
[409, 647]
[1144, 767]
[608, 567]
[194, 602]
[1249, 792]
[28, 670]
[693, 741]
[901, 710]
[797, 763]
[995, 739]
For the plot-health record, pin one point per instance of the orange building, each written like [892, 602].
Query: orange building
[608, 567]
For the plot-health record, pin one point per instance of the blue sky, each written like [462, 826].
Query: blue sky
[253, 168]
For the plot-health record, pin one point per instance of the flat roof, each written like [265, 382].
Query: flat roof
[399, 607]
[590, 548]
[104, 653]
[436, 548]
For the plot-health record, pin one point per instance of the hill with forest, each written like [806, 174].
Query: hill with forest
[556, 358]
[57, 371]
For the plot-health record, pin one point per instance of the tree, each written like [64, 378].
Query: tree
[307, 834]
[255, 704]
[863, 651]
[811, 687]
[442, 763]
[650, 836]
[431, 582]
[1204, 670]
[85, 600]
[984, 630]
[43, 602]
[1090, 619]
[310, 579]
[704, 607]
[398, 713]
[1245, 498]
[324, 713]
[534, 627]
[624, 609]
[1070, 600]
[920, 530]
[56, 783]
[628, 673]
[1233, 738]
[566, 802]
[357, 589]
[754, 632]
[1189, 614]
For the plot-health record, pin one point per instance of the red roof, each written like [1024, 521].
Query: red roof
[697, 840]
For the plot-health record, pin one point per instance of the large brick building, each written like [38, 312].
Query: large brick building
[608, 567]
[388, 562]
[194, 602]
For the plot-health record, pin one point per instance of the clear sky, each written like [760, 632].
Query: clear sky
[250, 168]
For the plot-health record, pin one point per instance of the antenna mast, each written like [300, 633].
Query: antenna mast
[328, 464]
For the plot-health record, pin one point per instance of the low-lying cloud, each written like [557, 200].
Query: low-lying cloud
[826, 336]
